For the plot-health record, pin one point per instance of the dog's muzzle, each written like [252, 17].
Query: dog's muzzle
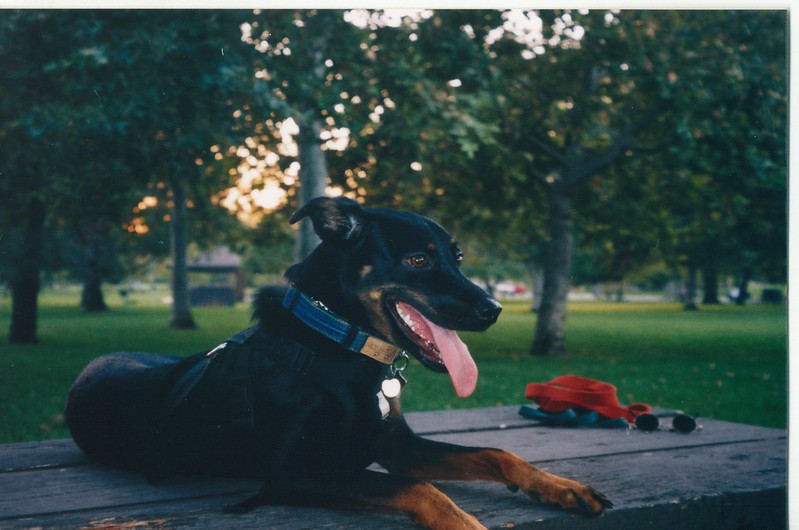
[488, 311]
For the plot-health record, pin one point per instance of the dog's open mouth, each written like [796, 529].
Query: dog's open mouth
[438, 348]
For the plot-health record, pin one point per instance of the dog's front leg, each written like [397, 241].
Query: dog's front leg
[410, 455]
[367, 491]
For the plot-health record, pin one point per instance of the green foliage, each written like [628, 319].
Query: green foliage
[270, 247]
[669, 127]
[56, 126]
[97, 103]
[729, 165]
[682, 97]
[100, 104]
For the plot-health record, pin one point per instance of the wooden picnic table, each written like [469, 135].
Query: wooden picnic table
[723, 476]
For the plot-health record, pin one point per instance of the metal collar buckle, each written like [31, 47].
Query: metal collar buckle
[394, 381]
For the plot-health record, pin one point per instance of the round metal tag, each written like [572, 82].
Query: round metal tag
[391, 388]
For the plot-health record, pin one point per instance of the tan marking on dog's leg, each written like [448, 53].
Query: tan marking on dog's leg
[429, 507]
[502, 466]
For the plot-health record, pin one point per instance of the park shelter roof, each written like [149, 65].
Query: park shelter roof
[220, 259]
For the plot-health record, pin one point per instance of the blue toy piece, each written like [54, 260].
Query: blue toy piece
[576, 417]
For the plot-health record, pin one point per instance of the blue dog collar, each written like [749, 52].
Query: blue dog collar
[316, 316]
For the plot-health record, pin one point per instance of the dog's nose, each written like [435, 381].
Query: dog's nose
[489, 310]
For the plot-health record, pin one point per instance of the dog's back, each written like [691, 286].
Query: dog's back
[111, 403]
[239, 409]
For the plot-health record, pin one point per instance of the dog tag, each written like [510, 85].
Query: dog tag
[392, 387]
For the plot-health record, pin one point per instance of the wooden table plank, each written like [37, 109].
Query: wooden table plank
[636, 487]
[507, 418]
[725, 476]
[35, 455]
[538, 443]
[548, 440]
[86, 487]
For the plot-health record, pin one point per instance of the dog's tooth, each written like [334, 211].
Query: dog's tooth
[407, 319]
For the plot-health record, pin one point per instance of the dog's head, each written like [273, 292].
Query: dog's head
[396, 274]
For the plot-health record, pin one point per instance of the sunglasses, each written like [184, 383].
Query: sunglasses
[682, 423]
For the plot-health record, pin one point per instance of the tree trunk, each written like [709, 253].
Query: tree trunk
[91, 299]
[710, 283]
[689, 301]
[313, 167]
[550, 333]
[25, 281]
[181, 312]
[537, 286]
[743, 287]
[313, 181]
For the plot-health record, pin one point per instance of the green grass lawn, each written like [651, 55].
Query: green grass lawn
[723, 362]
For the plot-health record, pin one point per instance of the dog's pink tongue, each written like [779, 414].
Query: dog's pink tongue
[457, 359]
[455, 354]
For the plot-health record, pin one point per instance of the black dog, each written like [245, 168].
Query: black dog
[294, 399]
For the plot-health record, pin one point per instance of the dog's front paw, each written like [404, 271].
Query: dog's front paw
[571, 495]
[540, 485]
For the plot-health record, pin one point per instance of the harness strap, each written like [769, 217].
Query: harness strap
[185, 384]
[190, 378]
[569, 391]
[316, 316]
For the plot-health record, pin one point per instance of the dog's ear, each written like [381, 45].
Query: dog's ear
[338, 219]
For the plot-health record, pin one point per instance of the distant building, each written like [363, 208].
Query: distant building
[226, 282]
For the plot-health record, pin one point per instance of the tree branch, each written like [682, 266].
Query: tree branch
[551, 151]
[648, 150]
[589, 167]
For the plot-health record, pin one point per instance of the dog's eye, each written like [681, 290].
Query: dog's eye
[417, 261]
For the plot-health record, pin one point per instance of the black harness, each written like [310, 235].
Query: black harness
[232, 364]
